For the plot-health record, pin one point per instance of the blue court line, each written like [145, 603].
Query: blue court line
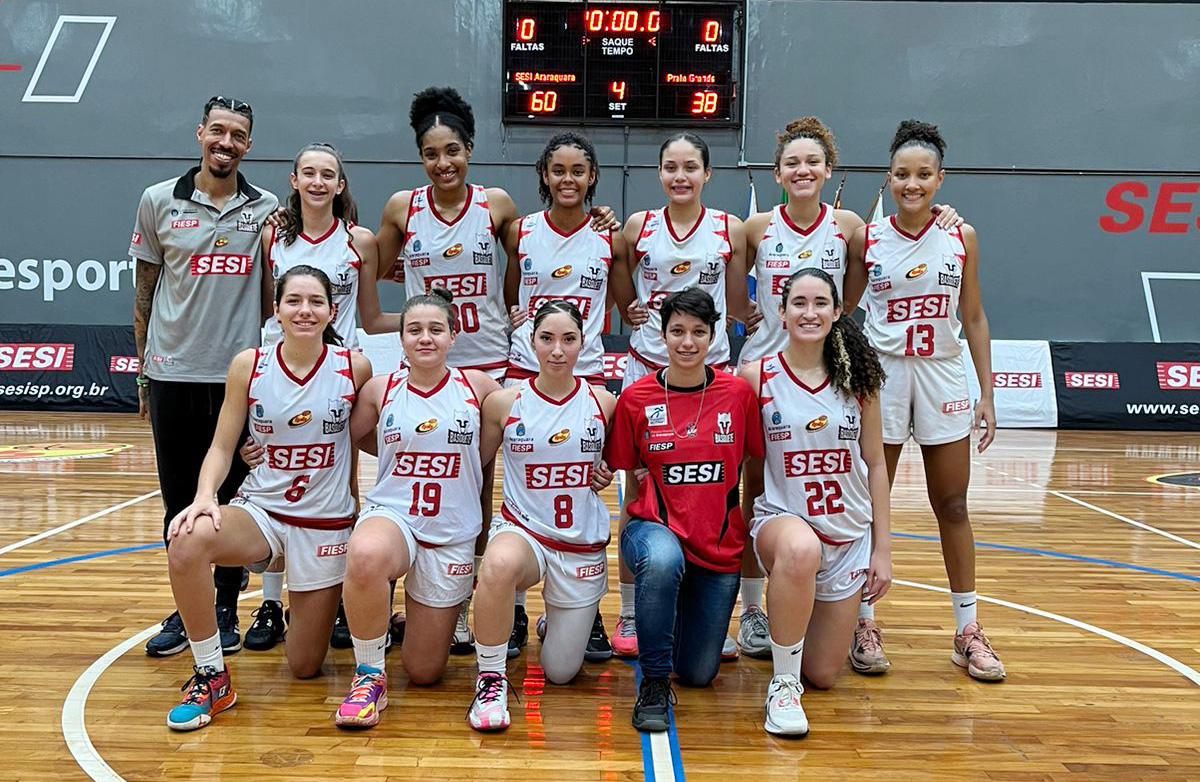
[80, 558]
[672, 737]
[1058, 555]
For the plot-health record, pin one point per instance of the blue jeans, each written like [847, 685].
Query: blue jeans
[683, 609]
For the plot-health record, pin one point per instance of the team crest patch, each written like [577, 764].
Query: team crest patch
[591, 441]
[337, 416]
[724, 434]
[711, 273]
[592, 278]
[247, 223]
[460, 433]
[848, 428]
[656, 415]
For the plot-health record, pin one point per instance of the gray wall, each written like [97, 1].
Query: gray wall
[1045, 106]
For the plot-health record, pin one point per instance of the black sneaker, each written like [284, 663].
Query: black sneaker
[227, 626]
[171, 639]
[340, 637]
[520, 632]
[396, 626]
[267, 629]
[598, 647]
[653, 708]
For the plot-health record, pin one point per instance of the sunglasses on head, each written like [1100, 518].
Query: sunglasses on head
[231, 104]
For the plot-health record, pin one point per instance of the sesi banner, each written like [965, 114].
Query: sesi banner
[1127, 385]
[1022, 383]
[69, 368]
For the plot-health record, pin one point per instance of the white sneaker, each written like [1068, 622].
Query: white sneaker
[754, 634]
[729, 651]
[489, 710]
[463, 641]
[785, 715]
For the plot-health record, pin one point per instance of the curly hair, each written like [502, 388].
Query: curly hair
[442, 106]
[808, 127]
[566, 139]
[914, 132]
[852, 364]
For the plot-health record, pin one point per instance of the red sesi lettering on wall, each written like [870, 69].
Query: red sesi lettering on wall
[294, 458]
[935, 305]
[830, 462]
[1017, 379]
[459, 284]
[582, 303]
[573, 475]
[1106, 381]
[36, 357]
[234, 265]
[414, 464]
[126, 364]
[1176, 376]
[1170, 204]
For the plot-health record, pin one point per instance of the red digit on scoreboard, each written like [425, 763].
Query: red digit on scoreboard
[618, 89]
[595, 20]
[526, 29]
[712, 31]
[653, 21]
[704, 102]
[543, 101]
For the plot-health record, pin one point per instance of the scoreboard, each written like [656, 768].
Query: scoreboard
[622, 63]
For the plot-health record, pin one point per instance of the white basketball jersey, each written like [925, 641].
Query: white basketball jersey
[912, 289]
[302, 424]
[784, 250]
[429, 466]
[557, 265]
[333, 254]
[550, 449]
[459, 256]
[814, 467]
[668, 263]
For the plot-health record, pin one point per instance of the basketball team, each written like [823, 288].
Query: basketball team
[779, 466]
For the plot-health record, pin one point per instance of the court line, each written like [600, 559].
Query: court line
[661, 758]
[77, 522]
[1186, 671]
[79, 558]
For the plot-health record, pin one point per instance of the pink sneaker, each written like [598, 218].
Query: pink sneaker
[973, 652]
[624, 640]
[489, 710]
[368, 697]
[866, 654]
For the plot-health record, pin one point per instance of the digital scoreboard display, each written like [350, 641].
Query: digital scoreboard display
[622, 63]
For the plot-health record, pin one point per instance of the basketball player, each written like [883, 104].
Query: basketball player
[553, 527]
[298, 396]
[681, 245]
[421, 518]
[200, 298]
[821, 527]
[555, 255]
[690, 426]
[921, 277]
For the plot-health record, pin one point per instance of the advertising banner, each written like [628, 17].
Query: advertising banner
[1127, 385]
[68, 368]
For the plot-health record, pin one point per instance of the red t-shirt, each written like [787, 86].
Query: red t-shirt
[692, 485]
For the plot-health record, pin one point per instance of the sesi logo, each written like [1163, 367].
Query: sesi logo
[1092, 380]
[1128, 215]
[827, 462]
[572, 475]
[614, 365]
[935, 305]
[1017, 379]
[698, 472]
[126, 364]
[35, 357]
[1178, 376]
[582, 303]
[412, 464]
[459, 284]
[300, 457]
[230, 265]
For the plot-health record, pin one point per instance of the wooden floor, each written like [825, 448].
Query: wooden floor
[1089, 571]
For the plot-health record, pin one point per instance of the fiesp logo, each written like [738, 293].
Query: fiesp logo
[1176, 376]
[916, 271]
[37, 357]
[124, 364]
[1106, 381]
[561, 271]
[453, 252]
[681, 268]
[817, 424]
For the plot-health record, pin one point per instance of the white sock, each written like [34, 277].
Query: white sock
[752, 593]
[369, 653]
[627, 600]
[520, 599]
[964, 608]
[273, 587]
[866, 611]
[208, 652]
[491, 659]
[787, 658]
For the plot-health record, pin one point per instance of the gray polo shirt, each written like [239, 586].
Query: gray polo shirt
[208, 303]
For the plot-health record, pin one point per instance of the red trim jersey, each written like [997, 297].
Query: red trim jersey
[550, 449]
[913, 284]
[668, 263]
[429, 467]
[459, 255]
[559, 265]
[814, 467]
[333, 254]
[694, 453]
[784, 250]
[302, 424]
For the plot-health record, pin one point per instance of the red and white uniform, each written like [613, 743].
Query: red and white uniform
[333, 254]
[558, 265]
[913, 285]
[668, 262]
[299, 496]
[784, 250]
[550, 450]
[459, 255]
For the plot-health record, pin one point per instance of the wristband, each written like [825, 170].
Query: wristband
[142, 381]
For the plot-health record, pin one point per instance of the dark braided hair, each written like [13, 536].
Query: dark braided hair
[330, 335]
[343, 203]
[914, 132]
[567, 138]
[442, 106]
[852, 364]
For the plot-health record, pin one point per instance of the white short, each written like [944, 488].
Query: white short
[843, 570]
[925, 397]
[438, 577]
[316, 558]
[569, 579]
